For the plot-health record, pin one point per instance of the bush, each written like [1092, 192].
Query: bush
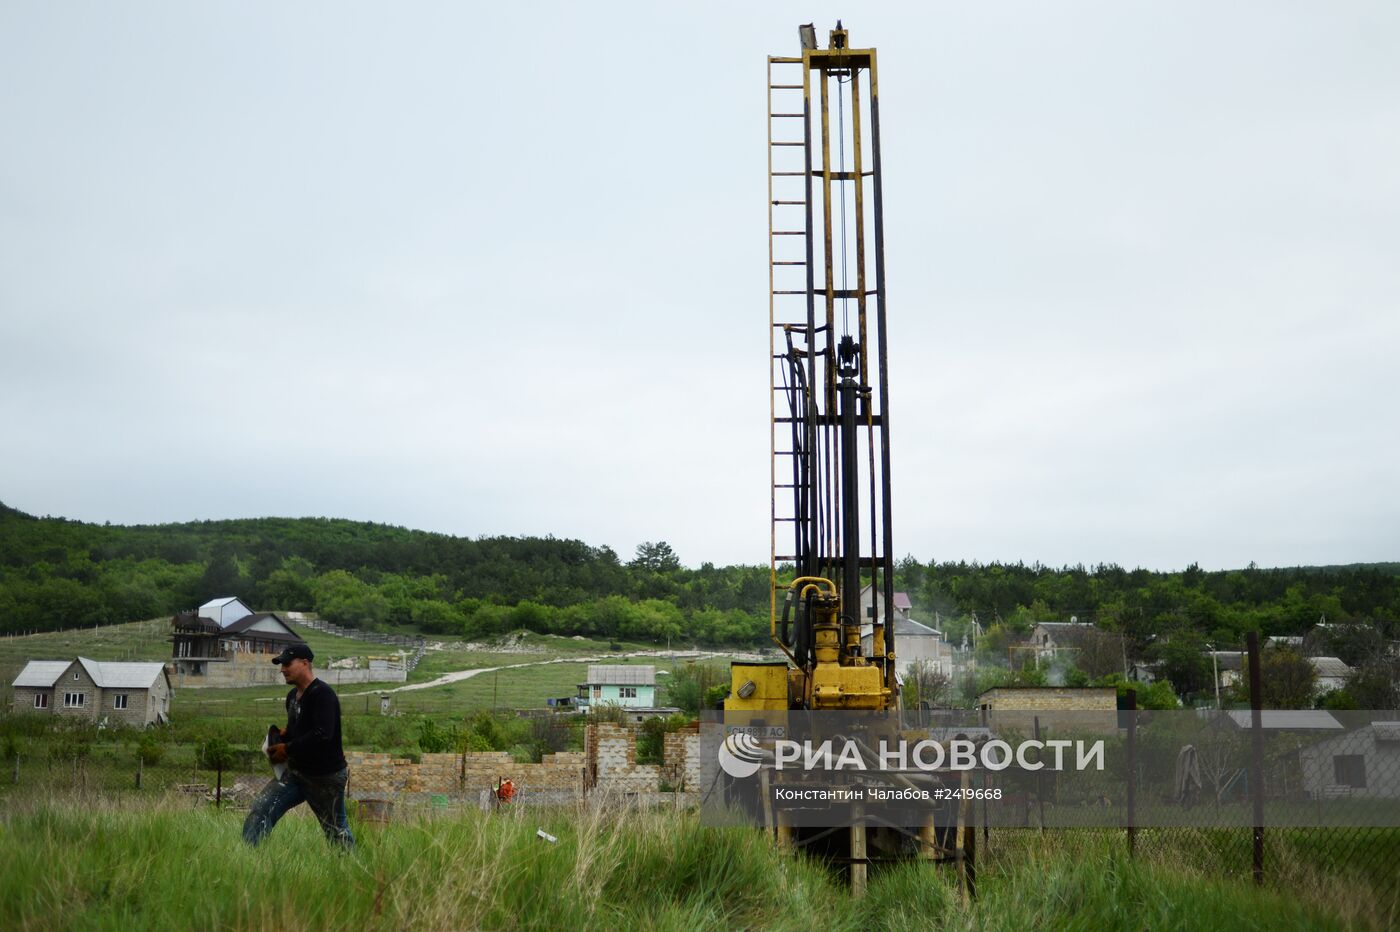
[434, 739]
[216, 754]
[150, 749]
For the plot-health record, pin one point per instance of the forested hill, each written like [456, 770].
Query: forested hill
[56, 573]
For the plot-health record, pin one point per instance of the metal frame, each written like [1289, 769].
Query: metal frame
[823, 406]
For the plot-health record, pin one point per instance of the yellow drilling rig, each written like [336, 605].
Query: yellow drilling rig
[831, 555]
[831, 558]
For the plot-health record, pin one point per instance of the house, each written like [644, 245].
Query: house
[1058, 708]
[223, 640]
[1361, 762]
[1049, 638]
[1332, 674]
[1226, 666]
[872, 605]
[1145, 671]
[912, 641]
[128, 693]
[629, 686]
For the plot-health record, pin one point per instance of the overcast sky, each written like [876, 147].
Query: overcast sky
[501, 269]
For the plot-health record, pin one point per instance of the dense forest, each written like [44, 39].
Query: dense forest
[56, 573]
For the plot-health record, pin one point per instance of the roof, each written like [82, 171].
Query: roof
[1227, 659]
[42, 673]
[107, 674]
[901, 599]
[247, 621]
[213, 606]
[112, 674]
[1386, 731]
[1067, 632]
[1287, 719]
[908, 627]
[641, 674]
[1330, 666]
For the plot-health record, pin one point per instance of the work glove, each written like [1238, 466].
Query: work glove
[277, 753]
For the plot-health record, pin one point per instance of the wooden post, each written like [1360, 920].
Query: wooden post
[1132, 772]
[16, 776]
[140, 766]
[970, 856]
[858, 871]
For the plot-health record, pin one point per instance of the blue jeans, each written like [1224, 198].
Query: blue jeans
[325, 794]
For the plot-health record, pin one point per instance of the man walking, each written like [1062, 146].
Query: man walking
[310, 747]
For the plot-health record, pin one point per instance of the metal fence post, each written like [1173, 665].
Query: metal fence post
[1256, 757]
[1132, 772]
[1040, 780]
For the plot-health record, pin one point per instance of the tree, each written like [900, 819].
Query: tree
[1376, 684]
[655, 557]
[1100, 653]
[1286, 680]
[221, 576]
[925, 683]
[1184, 662]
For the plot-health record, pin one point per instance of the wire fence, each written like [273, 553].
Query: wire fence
[1276, 797]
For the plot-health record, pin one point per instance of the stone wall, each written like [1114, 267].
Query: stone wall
[1060, 709]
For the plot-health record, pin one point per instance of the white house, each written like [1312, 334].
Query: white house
[1363, 762]
[913, 641]
[1332, 673]
[872, 605]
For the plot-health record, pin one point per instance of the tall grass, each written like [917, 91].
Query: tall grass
[73, 864]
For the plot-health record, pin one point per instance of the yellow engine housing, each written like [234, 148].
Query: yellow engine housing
[770, 687]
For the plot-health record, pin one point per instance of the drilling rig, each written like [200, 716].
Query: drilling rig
[831, 556]
[831, 563]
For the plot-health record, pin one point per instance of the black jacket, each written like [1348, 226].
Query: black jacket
[313, 730]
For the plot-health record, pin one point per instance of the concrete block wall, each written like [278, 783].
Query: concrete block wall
[557, 777]
[607, 765]
[681, 758]
[611, 751]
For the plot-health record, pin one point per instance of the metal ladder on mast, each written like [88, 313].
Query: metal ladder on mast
[788, 293]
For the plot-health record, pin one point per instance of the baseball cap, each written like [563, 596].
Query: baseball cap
[292, 653]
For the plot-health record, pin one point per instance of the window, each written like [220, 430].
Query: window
[74, 700]
[628, 692]
[75, 674]
[41, 700]
[1350, 770]
[119, 701]
[597, 692]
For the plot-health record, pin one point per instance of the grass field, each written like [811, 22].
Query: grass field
[524, 687]
[68, 864]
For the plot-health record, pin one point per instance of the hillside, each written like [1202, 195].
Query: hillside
[59, 574]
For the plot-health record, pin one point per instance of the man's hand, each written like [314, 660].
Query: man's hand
[277, 753]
